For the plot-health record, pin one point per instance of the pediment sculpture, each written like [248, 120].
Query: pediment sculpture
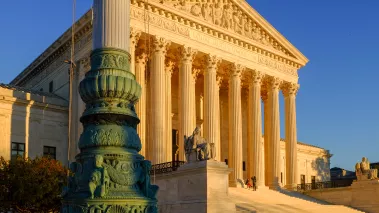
[197, 148]
[230, 16]
[363, 171]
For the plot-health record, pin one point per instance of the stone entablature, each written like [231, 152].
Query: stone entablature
[274, 52]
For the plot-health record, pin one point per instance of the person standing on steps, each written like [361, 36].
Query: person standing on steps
[254, 179]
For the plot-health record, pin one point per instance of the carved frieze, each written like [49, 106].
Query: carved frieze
[227, 15]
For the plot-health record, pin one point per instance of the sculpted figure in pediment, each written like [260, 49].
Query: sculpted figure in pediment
[238, 21]
[256, 34]
[227, 16]
[196, 9]
[206, 11]
[248, 28]
[217, 13]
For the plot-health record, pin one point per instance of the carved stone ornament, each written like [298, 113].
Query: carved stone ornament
[197, 148]
[109, 175]
[228, 15]
[363, 171]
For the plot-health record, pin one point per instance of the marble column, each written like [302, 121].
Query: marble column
[158, 100]
[169, 71]
[235, 159]
[195, 75]
[266, 118]
[134, 37]
[255, 164]
[186, 111]
[140, 73]
[289, 92]
[210, 100]
[218, 119]
[274, 133]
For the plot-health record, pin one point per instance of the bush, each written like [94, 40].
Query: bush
[31, 185]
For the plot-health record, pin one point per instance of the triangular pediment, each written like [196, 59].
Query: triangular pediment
[239, 18]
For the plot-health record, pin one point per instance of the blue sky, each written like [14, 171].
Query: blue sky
[337, 104]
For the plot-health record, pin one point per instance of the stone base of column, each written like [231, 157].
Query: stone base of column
[237, 183]
[291, 187]
[200, 187]
[274, 187]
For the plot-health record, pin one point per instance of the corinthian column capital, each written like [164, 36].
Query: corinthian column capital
[236, 70]
[195, 74]
[160, 44]
[219, 81]
[134, 36]
[212, 62]
[289, 88]
[256, 77]
[273, 83]
[169, 67]
[187, 53]
[141, 58]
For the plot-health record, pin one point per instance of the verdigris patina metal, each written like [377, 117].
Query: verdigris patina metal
[109, 176]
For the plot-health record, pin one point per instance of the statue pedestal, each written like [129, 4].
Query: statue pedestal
[365, 195]
[200, 187]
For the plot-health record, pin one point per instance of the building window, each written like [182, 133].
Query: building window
[226, 161]
[18, 149]
[51, 86]
[313, 179]
[243, 166]
[49, 151]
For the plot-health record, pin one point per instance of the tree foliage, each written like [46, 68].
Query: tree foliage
[31, 185]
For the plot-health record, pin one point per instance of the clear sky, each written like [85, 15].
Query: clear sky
[338, 102]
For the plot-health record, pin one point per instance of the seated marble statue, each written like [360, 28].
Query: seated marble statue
[363, 171]
[204, 150]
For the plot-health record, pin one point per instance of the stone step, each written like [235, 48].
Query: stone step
[275, 201]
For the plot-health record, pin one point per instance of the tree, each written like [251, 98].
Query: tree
[31, 185]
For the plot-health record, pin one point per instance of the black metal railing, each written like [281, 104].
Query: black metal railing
[167, 167]
[323, 185]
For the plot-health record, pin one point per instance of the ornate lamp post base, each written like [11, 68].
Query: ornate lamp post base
[109, 176]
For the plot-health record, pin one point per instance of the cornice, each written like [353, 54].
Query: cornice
[271, 30]
[167, 10]
[61, 45]
[84, 26]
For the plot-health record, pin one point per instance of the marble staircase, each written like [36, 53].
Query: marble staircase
[265, 200]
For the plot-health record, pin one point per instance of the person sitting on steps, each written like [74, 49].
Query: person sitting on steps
[248, 183]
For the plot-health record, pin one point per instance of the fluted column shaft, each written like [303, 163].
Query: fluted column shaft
[195, 74]
[274, 133]
[158, 101]
[255, 164]
[169, 71]
[140, 72]
[235, 126]
[134, 37]
[111, 25]
[266, 137]
[185, 107]
[289, 93]
[210, 101]
[218, 119]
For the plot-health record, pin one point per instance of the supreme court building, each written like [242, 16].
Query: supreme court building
[216, 64]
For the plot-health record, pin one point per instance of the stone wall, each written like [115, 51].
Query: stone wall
[362, 195]
[33, 120]
[338, 196]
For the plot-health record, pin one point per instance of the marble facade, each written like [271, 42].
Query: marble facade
[209, 64]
